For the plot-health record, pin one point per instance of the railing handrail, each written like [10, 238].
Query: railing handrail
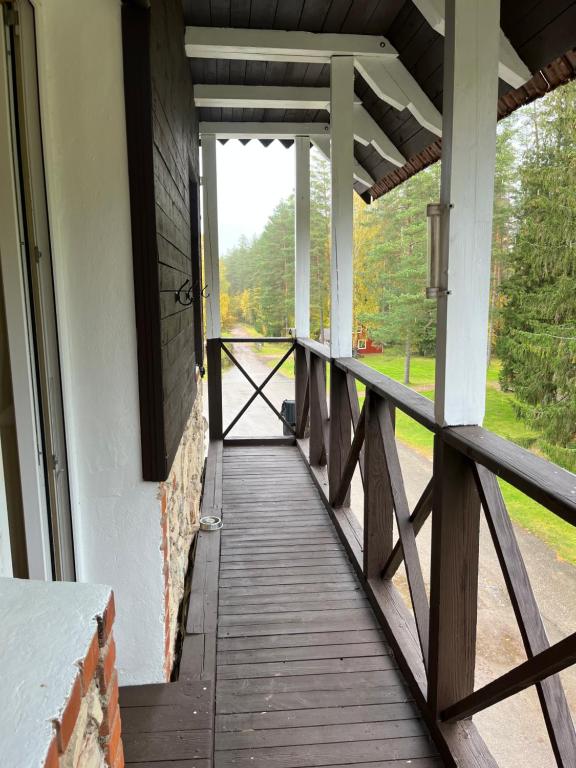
[321, 350]
[415, 405]
[436, 643]
[543, 481]
[256, 339]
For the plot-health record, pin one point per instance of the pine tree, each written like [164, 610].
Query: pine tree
[396, 267]
[538, 338]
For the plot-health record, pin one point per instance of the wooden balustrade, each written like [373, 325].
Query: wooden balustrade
[436, 647]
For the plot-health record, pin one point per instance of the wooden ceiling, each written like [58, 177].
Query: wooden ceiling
[543, 32]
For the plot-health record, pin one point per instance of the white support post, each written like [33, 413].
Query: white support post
[302, 238]
[211, 253]
[342, 161]
[467, 193]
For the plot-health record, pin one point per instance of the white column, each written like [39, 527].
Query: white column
[342, 161]
[210, 227]
[302, 238]
[467, 191]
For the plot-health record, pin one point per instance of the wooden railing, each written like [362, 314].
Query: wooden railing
[436, 647]
[214, 349]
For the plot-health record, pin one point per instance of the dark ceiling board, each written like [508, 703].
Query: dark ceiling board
[240, 13]
[523, 21]
[337, 15]
[262, 13]
[220, 15]
[559, 36]
[357, 20]
[314, 15]
[237, 73]
[288, 14]
[509, 11]
[406, 24]
[383, 17]
[197, 12]
[255, 72]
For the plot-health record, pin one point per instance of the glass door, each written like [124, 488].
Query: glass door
[37, 263]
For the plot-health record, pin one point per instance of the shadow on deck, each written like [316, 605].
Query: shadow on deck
[284, 662]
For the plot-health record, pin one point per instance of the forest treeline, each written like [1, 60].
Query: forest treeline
[533, 281]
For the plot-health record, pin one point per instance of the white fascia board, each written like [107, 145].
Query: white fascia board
[262, 97]
[247, 130]
[367, 131]
[511, 68]
[361, 175]
[280, 45]
[391, 82]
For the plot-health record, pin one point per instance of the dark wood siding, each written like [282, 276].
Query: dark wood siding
[162, 136]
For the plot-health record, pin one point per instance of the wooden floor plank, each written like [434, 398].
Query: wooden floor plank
[279, 669]
[350, 615]
[301, 640]
[319, 734]
[173, 717]
[262, 607]
[295, 718]
[235, 703]
[335, 753]
[167, 745]
[304, 675]
[326, 682]
[351, 650]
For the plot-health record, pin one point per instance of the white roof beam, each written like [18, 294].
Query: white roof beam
[391, 82]
[322, 144]
[248, 130]
[367, 131]
[511, 68]
[279, 45]
[261, 97]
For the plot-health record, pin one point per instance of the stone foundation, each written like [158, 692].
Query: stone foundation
[180, 505]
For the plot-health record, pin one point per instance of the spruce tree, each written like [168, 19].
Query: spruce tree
[538, 337]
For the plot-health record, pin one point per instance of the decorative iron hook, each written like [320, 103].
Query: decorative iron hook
[184, 297]
[203, 292]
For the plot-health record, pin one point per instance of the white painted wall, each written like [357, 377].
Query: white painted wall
[116, 515]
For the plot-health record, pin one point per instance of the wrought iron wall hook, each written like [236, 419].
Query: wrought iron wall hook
[182, 296]
[204, 293]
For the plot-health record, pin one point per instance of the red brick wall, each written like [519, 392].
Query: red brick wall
[73, 744]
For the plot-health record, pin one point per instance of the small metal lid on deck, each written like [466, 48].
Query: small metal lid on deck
[210, 523]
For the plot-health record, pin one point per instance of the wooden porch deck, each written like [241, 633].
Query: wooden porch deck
[303, 674]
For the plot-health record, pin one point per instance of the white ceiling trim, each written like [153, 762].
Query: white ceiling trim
[511, 68]
[252, 130]
[391, 82]
[262, 97]
[361, 175]
[374, 57]
[367, 131]
[280, 45]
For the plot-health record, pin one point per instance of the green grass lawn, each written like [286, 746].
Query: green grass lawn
[500, 418]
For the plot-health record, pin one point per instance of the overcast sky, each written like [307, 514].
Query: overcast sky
[252, 180]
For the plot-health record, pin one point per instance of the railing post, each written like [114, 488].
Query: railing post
[378, 504]
[302, 237]
[340, 430]
[212, 271]
[214, 361]
[302, 390]
[454, 578]
[318, 411]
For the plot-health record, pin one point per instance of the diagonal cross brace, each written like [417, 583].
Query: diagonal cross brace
[258, 389]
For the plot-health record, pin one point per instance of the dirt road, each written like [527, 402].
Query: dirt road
[514, 729]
